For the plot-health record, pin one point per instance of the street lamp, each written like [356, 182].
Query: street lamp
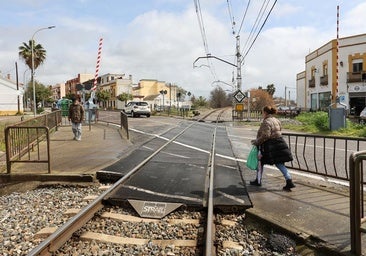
[32, 56]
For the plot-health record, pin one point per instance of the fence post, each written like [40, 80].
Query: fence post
[7, 149]
[355, 200]
[48, 149]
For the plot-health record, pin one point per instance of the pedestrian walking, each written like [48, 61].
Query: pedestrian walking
[76, 116]
[273, 149]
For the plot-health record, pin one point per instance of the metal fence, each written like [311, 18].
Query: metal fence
[22, 140]
[323, 155]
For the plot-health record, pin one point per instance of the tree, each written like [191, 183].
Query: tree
[200, 102]
[259, 99]
[43, 93]
[271, 89]
[39, 54]
[125, 97]
[103, 96]
[219, 98]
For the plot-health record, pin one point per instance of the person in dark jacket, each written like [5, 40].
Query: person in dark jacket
[76, 116]
[272, 147]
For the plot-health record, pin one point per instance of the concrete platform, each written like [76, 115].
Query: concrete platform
[71, 160]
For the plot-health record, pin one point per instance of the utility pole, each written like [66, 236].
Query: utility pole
[16, 70]
[238, 63]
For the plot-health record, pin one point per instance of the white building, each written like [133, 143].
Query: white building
[116, 84]
[326, 80]
[11, 99]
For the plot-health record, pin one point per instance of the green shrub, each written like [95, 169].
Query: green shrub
[314, 121]
[318, 122]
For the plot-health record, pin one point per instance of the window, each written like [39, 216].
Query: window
[313, 71]
[325, 69]
[357, 65]
[324, 100]
[314, 101]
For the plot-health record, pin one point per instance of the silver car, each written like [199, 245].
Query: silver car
[137, 108]
[362, 119]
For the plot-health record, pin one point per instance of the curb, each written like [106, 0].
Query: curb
[309, 240]
[7, 178]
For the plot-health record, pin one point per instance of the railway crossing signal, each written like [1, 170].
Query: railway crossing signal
[239, 96]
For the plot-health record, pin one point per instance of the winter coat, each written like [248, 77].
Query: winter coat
[269, 139]
[76, 113]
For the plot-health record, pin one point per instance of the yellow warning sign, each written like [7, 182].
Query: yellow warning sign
[239, 107]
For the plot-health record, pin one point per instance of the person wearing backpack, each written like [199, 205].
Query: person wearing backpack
[76, 116]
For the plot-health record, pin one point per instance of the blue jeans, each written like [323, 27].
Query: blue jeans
[284, 170]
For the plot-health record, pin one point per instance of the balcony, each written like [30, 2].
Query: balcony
[312, 82]
[356, 77]
[324, 80]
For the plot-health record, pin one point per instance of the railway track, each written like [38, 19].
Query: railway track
[168, 223]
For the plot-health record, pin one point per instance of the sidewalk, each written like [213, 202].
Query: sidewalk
[100, 146]
[316, 210]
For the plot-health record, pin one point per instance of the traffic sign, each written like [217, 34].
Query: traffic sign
[239, 96]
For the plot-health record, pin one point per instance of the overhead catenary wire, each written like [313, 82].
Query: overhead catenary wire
[253, 35]
[232, 20]
[204, 37]
[255, 25]
[245, 14]
[201, 25]
[246, 53]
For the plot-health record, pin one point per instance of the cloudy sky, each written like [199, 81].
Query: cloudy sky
[161, 39]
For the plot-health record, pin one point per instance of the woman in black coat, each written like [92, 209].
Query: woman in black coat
[272, 147]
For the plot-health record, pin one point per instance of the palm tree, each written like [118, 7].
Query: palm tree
[39, 54]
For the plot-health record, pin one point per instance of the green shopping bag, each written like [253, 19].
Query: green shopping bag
[252, 160]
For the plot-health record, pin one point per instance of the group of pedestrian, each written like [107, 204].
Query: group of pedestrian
[272, 148]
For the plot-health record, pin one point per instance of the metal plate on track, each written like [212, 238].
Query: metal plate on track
[154, 210]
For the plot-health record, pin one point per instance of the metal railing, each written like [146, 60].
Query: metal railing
[357, 216]
[323, 155]
[23, 140]
[124, 125]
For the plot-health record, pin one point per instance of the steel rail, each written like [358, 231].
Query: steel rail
[209, 250]
[63, 233]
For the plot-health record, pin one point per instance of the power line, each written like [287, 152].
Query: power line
[204, 38]
[232, 21]
[260, 30]
[245, 14]
[256, 24]
[201, 25]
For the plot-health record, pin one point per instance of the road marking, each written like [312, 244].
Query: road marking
[165, 195]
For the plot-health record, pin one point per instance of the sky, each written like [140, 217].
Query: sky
[165, 39]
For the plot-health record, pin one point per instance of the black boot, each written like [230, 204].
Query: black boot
[255, 183]
[289, 185]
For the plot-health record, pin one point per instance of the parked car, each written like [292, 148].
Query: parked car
[137, 108]
[362, 118]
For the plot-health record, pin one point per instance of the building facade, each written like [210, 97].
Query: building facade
[158, 93]
[71, 85]
[58, 91]
[11, 97]
[335, 72]
[115, 84]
